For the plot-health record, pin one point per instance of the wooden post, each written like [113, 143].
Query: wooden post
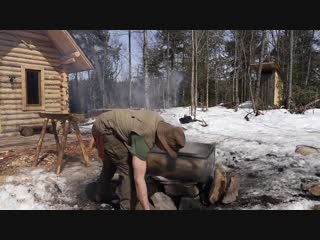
[63, 144]
[43, 132]
[83, 150]
[54, 130]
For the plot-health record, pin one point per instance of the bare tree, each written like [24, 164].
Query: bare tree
[236, 71]
[260, 65]
[100, 74]
[195, 74]
[207, 70]
[130, 84]
[216, 84]
[192, 72]
[235, 67]
[145, 65]
[289, 99]
[251, 56]
[167, 66]
[163, 88]
[309, 59]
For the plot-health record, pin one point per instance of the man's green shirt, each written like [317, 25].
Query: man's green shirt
[138, 147]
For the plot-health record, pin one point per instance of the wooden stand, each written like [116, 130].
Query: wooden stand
[65, 119]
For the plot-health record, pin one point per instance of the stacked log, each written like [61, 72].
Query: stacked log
[33, 49]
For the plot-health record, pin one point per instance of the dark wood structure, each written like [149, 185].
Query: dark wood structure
[271, 85]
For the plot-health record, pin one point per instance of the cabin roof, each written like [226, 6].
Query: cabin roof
[72, 52]
[266, 67]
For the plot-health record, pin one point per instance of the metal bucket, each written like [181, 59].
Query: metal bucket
[195, 163]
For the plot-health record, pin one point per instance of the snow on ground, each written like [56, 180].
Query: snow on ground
[39, 189]
[86, 127]
[262, 150]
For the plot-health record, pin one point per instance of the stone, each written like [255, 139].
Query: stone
[139, 207]
[177, 190]
[153, 186]
[306, 150]
[187, 203]
[315, 190]
[232, 190]
[316, 207]
[162, 201]
[307, 183]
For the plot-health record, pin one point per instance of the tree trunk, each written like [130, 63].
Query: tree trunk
[100, 75]
[192, 73]
[168, 79]
[145, 65]
[260, 66]
[207, 71]
[236, 72]
[249, 75]
[196, 74]
[309, 59]
[290, 71]
[77, 96]
[130, 86]
[235, 66]
[163, 86]
[216, 85]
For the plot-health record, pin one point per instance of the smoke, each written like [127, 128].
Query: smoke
[161, 94]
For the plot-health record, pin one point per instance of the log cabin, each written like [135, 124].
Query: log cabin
[34, 68]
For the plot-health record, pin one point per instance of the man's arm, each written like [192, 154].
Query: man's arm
[139, 171]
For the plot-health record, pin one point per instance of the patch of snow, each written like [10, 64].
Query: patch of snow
[247, 104]
[299, 205]
[262, 150]
[263, 147]
[43, 190]
[86, 128]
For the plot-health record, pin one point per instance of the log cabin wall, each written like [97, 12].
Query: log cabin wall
[20, 50]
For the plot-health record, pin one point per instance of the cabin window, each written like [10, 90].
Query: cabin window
[33, 92]
[32, 88]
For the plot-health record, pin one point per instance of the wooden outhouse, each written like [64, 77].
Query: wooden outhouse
[34, 67]
[271, 84]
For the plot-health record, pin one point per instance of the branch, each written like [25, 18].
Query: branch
[203, 123]
[310, 104]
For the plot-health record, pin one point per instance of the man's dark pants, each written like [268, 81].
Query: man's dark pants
[118, 159]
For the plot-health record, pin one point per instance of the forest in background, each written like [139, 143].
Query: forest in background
[197, 68]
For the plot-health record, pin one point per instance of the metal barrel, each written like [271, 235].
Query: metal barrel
[194, 163]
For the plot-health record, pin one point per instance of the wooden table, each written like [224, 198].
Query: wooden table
[66, 119]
